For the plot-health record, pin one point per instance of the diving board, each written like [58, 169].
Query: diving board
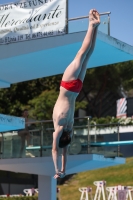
[38, 147]
[92, 144]
[114, 143]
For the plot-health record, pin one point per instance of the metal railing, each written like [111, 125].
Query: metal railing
[83, 17]
[41, 136]
[104, 22]
[105, 133]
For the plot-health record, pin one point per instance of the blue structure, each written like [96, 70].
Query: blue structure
[9, 123]
[50, 56]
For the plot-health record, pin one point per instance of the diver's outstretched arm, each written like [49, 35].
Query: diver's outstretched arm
[55, 148]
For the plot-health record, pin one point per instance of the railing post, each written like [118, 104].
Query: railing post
[41, 141]
[95, 136]
[118, 148]
[2, 146]
[67, 26]
[89, 135]
[108, 24]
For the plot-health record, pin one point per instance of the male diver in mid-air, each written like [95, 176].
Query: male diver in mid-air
[71, 84]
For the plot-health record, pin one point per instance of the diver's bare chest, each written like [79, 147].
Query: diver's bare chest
[63, 119]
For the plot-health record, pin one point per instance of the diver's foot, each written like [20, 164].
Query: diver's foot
[94, 18]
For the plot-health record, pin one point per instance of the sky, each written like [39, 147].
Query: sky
[121, 18]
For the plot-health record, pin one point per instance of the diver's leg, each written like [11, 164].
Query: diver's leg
[73, 70]
[85, 62]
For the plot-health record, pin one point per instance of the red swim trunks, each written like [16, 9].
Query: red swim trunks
[73, 86]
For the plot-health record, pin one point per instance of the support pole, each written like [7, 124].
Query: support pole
[89, 139]
[41, 141]
[47, 187]
[118, 148]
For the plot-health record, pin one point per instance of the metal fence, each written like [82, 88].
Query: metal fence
[86, 138]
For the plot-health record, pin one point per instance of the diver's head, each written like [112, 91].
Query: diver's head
[65, 139]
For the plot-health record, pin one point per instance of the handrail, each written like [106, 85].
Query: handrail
[83, 17]
[82, 126]
[112, 143]
[45, 121]
[110, 124]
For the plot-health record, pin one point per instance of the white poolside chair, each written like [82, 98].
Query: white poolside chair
[28, 192]
[114, 192]
[85, 191]
[129, 192]
[100, 190]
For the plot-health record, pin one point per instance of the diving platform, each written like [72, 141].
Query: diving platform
[11, 123]
[44, 167]
[45, 57]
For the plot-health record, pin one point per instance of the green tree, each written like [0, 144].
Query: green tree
[40, 95]
[103, 80]
[15, 98]
[41, 107]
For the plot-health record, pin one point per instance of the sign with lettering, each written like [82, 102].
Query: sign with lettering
[32, 19]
